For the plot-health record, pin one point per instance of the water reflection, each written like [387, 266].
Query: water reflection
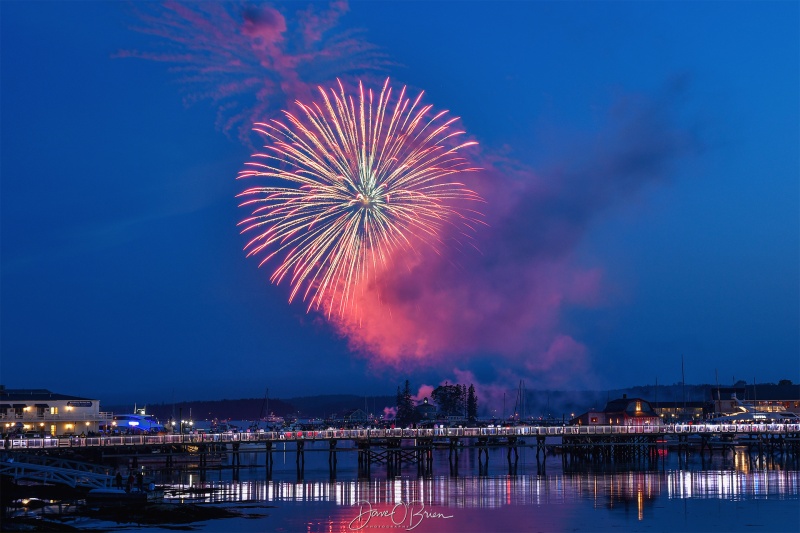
[680, 491]
[606, 490]
[732, 485]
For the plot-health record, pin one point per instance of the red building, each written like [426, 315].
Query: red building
[622, 412]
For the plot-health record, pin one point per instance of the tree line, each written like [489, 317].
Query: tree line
[450, 400]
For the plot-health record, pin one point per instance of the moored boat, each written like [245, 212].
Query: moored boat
[116, 496]
[138, 422]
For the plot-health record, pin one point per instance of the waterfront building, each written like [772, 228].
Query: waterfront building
[42, 412]
[355, 416]
[672, 412]
[426, 410]
[621, 412]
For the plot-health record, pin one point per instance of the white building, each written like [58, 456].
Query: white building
[49, 413]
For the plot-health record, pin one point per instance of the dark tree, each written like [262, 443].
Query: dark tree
[406, 413]
[450, 399]
[785, 382]
[472, 403]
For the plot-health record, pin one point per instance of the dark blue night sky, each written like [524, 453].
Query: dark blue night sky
[641, 171]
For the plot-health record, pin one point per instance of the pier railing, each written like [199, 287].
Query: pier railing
[398, 433]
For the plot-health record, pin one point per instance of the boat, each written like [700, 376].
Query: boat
[748, 414]
[115, 496]
[153, 460]
[266, 423]
[274, 421]
[138, 422]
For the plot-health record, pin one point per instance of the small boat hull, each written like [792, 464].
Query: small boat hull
[117, 497]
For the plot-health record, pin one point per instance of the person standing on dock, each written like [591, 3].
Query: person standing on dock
[118, 479]
[129, 484]
[140, 481]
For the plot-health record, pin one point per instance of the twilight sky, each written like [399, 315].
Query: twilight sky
[640, 166]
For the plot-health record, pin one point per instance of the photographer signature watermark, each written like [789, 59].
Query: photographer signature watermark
[400, 515]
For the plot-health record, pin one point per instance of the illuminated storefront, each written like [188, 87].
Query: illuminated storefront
[42, 412]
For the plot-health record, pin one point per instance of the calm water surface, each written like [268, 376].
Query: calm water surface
[734, 493]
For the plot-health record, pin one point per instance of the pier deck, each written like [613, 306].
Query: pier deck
[719, 430]
[392, 448]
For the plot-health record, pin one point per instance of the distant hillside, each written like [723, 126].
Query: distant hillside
[326, 405]
[242, 409]
[251, 408]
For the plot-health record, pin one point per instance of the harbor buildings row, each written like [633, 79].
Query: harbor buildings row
[44, 412]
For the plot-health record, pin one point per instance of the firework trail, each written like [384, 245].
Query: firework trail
[360, 178]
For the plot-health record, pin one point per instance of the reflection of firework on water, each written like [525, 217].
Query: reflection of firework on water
[362, 177]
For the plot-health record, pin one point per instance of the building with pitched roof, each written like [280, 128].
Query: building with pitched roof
[49, 413]
[355, 416]
[426, 410]
[623, 412]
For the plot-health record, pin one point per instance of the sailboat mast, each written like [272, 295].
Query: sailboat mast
[683, 381]
[263, 403]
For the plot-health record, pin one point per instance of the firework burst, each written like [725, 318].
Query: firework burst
[358, 179]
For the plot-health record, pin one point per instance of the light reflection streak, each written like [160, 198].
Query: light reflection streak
[732, 485]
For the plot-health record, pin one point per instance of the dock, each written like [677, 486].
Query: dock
[391, 449]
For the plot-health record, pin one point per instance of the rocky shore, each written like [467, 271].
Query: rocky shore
[55, 508]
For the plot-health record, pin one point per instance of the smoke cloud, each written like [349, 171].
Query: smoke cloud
[507, 301]
[499, 296]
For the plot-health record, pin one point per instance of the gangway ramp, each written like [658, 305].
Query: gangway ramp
[54, 470]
